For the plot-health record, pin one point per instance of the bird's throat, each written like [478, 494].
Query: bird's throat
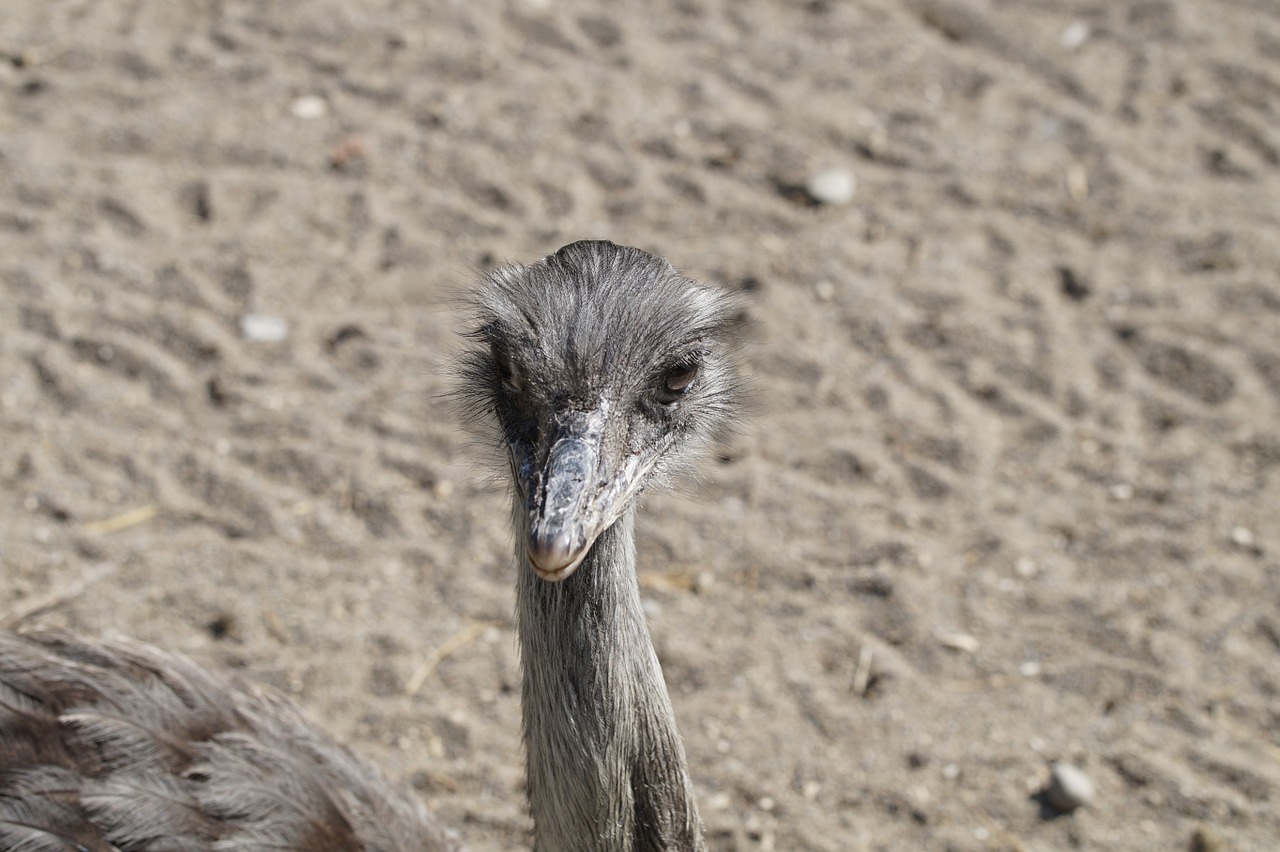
[606, 767]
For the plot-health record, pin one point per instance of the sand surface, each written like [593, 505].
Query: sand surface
[1012, 495]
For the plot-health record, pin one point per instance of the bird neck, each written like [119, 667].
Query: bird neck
[606, 766]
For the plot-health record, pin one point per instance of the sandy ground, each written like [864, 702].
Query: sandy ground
[1012, 495]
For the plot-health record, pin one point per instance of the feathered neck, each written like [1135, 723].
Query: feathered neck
[605, 764]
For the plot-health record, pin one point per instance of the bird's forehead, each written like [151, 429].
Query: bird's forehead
[600, 321]
[595, 316]
[584, 345]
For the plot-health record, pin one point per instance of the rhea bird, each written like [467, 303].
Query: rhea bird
[598, 369]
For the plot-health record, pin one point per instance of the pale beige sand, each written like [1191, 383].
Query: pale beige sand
[1013, 493]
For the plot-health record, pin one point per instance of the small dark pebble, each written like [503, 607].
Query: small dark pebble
[1072, 285]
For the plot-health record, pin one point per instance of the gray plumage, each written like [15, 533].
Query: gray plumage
[121, 746]
[596, 370]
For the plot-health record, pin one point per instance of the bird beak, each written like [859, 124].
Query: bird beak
[575, 494]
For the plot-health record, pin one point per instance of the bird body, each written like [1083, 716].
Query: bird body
[115, 745]
[595, 371]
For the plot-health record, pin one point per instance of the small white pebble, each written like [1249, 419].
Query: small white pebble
[766, 803]
[824, 290]
[1029, 669]
[1077, 182]
[951, 771]
[810, 790]
[1025, 566]
[1069, 788]
[1122, 491]
[309, 107]
[260, 328]
[719, 801]
[1242, 536]
[832, 186]
[1075, 35]
[981, 833]
[958, 642]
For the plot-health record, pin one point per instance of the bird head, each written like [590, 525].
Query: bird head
[602, 369]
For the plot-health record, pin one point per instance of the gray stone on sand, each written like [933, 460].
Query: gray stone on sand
[260, 328]
[309, 107]
[831, 186]
[1205, 839]
[1069, 788]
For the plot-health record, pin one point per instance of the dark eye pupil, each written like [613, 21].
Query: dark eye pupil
[677, 380]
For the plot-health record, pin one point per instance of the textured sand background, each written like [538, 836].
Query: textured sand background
[1012, 495]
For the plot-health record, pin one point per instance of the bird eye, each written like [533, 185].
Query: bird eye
[675, 381]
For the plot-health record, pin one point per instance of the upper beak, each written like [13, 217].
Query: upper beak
[573, 493]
